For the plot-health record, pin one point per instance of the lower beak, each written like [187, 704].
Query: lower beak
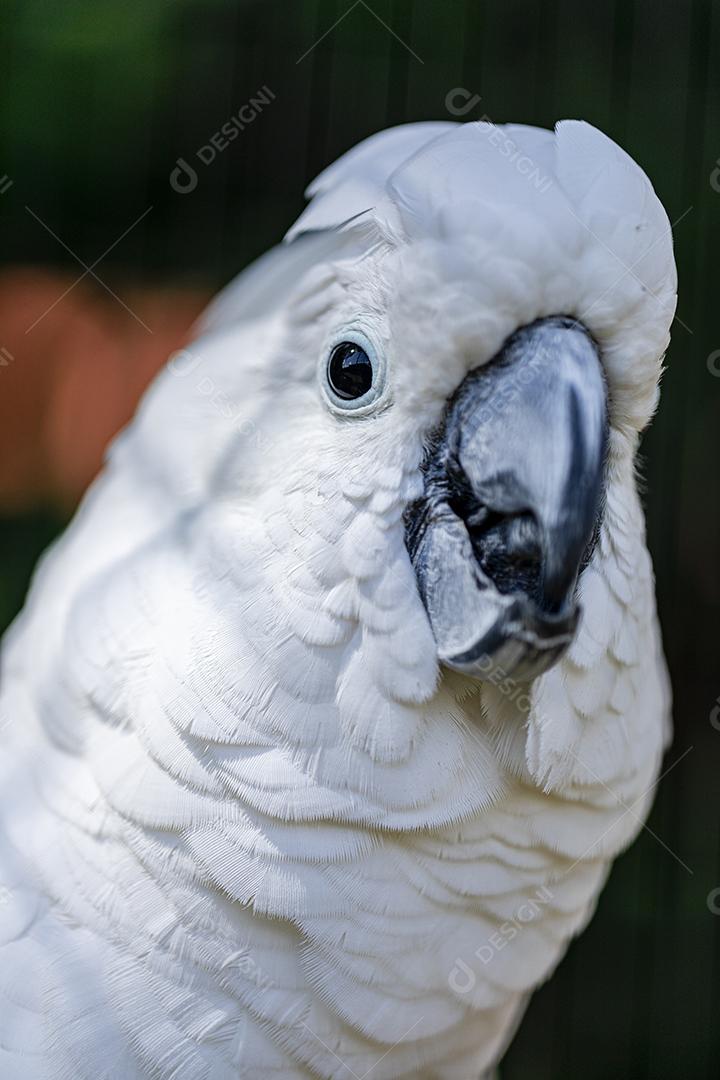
[513, 484]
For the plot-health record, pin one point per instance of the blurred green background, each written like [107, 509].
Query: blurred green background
[99, 101]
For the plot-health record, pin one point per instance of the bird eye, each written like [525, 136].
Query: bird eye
[352, 373]
[349, 371]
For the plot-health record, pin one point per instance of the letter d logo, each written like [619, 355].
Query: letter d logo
[183, 179]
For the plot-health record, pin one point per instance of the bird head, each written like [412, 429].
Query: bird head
[472, 342]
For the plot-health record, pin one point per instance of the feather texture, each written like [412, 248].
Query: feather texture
[247, 826]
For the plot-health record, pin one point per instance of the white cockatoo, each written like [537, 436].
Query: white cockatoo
[326, 716]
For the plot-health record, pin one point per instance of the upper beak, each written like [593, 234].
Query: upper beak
[513, 484]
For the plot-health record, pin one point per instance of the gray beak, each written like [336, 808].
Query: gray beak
[509, 516]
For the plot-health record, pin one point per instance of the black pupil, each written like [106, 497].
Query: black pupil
[350, 372]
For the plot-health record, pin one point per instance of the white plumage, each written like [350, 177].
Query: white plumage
[247, 829]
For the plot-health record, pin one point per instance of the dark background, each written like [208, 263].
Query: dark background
[98, 101]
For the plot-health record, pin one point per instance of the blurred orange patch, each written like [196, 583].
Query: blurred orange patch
[71, 373]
